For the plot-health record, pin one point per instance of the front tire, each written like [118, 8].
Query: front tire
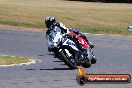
[67, 61]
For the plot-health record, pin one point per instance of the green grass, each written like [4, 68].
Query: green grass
[8, 60]
[23, 24]
[103, 29]
[91, 17]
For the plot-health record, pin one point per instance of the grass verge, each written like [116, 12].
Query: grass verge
[9, 60]
[104, 30]
[84, 28]
[22, 24]
[92, 17]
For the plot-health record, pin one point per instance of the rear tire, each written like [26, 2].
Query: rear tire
[86, 63]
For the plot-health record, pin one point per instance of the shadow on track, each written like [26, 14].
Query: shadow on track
[58, 61]
[50, 54]
[56, 69]
[30, 69]
[49, 69]
[40, 55]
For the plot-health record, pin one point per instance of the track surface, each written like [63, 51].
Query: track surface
[114, 55]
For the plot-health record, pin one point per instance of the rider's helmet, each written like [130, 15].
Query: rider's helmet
[49, 21]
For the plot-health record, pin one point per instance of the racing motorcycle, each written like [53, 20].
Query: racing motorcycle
[85, 47]
[66, 50]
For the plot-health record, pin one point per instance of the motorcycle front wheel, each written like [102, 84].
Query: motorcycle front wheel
[67, 60]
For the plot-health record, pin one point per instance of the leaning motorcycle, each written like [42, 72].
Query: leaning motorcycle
[84, 46]
[66, 50]
[86, 55]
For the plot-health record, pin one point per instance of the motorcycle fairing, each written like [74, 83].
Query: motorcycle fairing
[70, 43]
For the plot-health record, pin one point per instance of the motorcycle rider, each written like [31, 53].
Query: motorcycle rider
[51, 24]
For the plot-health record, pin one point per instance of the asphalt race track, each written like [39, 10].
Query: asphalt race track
[114, 54]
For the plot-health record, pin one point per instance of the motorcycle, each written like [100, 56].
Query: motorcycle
[66, 50]
[86, 49]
